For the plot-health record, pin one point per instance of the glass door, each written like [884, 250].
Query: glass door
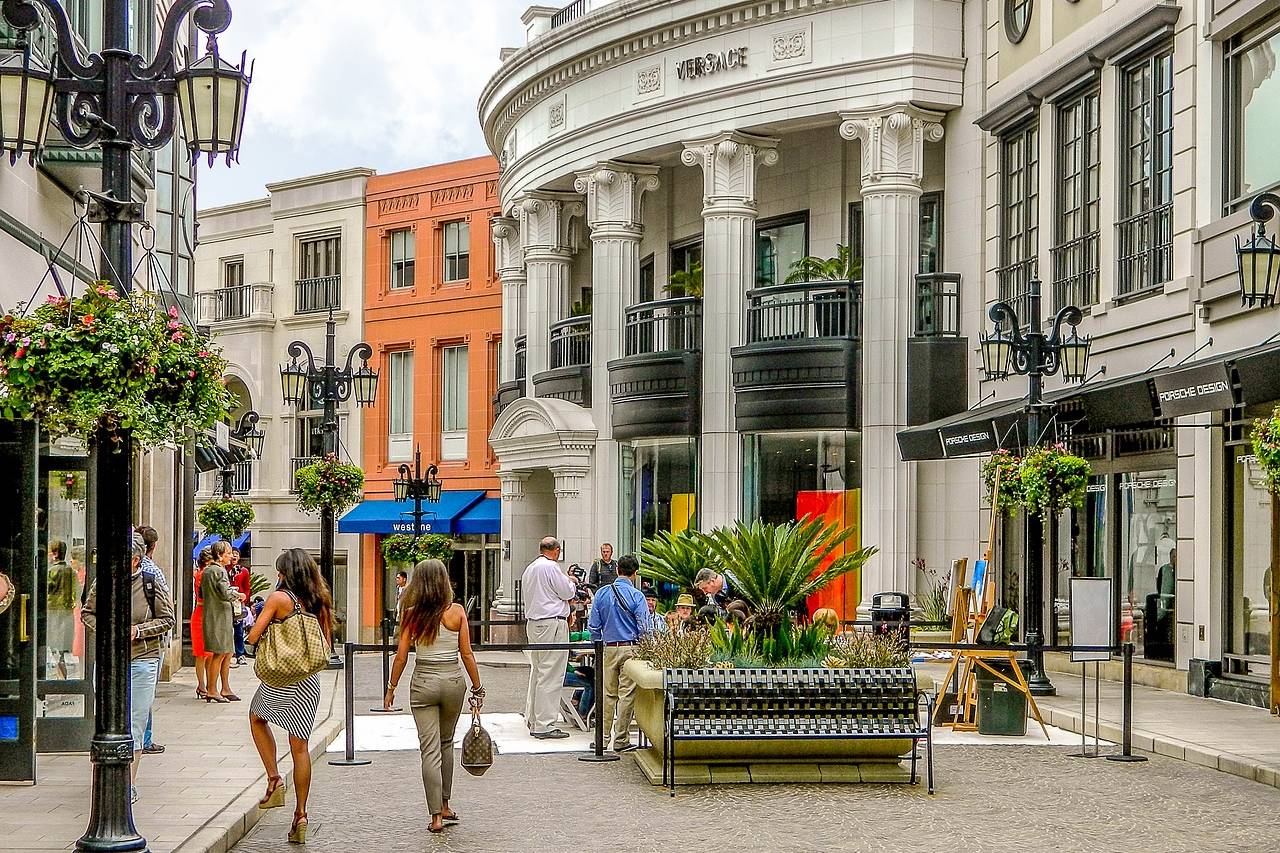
[64, 657]
[17, 620]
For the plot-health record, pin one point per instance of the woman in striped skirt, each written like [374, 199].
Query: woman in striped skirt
[292, 708]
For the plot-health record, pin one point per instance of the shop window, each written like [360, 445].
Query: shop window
[1081, 552]
[780, 245]
[1253, 121]
[1144, 233]
[659, 482]
[788, 475]
[1148, 536]
[1248, 565]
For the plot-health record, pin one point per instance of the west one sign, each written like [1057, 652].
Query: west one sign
[407, 527]
[711, 63]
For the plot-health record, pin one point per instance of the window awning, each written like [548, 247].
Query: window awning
[383, 516]
[210, 538]
[980, 430]
[482, 517]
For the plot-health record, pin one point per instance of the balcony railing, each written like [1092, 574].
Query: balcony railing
[1015, 288]
[571, 342]
[296, 463]
[804, 311]
[522, 351]
[1145, 256]
[938, 305]
[667, 325]
[317, 294]
[1075, 272]
[233, 303]
[569, 13]
[241, 479]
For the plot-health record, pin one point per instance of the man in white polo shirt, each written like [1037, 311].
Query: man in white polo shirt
[546, 590]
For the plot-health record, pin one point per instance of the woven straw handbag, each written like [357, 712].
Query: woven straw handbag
[477, 746]
[291, 650]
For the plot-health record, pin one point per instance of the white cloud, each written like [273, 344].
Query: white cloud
[391, 84]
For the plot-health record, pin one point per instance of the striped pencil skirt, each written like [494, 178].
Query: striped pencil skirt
[292, 708]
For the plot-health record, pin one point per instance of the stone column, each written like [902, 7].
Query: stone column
[509, 263]
[892, 140]
[513, 485]
[544, 235]
[574, 499]
[729, 162]
[615, 192]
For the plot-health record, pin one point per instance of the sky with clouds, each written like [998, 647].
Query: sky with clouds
[388, 84]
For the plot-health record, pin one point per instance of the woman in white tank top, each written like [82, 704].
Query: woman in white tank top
[436, 628]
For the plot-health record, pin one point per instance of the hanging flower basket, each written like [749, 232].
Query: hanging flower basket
[1265, 438]
[1009, 499]
[225, 518]
[1053, 480]
[402, 548]
[102, 360]
[329, 484]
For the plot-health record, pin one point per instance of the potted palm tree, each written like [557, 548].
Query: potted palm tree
[842, 267]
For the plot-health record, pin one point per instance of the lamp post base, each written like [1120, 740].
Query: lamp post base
[608, 756]
[1125, 758]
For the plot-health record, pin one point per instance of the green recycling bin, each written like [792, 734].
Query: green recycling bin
[1002, 708]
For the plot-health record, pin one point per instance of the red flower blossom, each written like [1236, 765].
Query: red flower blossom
[87, 319]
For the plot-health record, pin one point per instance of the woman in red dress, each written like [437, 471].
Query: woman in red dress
[197, 628]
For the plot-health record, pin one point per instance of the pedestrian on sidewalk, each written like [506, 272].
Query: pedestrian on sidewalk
[546, 590]
[241, 579]
[436, 628]
[204, 678]
[150, 618]
[604, 571]
[219, 633]
[619, 617]
[150, 539]
[292, 708]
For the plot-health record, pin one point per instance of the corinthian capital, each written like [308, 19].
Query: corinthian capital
[893, 141]
[508, 255]
[729, 162]
[545, 221]
[615, 192]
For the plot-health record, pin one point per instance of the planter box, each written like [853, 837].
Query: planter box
[756, 760]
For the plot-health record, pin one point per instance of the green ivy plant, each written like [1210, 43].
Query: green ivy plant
[329, 484]
[226, 518]
[1052, 480]
[1265, 438]
[402, 548]
[1009, 499]
[102, 360]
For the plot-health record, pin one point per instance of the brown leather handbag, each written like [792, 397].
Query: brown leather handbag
[477, 745]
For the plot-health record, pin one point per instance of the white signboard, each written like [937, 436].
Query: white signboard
[1091, 617]
[224, 436]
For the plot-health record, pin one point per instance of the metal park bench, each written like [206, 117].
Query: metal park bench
[795, 704]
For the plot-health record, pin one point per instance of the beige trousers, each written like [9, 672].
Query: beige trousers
[619, 694]
[436, 692]
[546, 674]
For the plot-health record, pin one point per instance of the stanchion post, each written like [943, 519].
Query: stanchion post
[349, 758]
[1126, 753]
[598, 754]
[386, 665]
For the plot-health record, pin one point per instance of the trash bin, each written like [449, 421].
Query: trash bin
[890, 611]
[1002, 708]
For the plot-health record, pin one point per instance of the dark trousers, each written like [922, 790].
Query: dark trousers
[239, 633]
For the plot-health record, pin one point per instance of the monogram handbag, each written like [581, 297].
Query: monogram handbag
[477, 746]
[291, 650]
[6, 592]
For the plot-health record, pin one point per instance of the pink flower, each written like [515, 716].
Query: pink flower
[173, 324]
[173, 312]
[177, 336]
[204, 353]
[191, 374]
[10, 338]
[54, 299]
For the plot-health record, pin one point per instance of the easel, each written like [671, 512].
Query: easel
[969, 608]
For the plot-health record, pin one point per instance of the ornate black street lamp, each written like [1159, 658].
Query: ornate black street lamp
[1035, 355]
[416, 489]
[328, 385]
[1258, 258]
[253, 437]
[120, 101]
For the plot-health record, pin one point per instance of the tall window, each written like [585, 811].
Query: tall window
[1253, 122]
[402, 258]
[1019, 216]
[318, 286]
[780, 244]
[1075, 251]
[646, 281]
[233, 272]
[930, 233]
[457, 250]
[1145, 230]
[686, 270]
[233, 299]
[400, 405]
[453, 403]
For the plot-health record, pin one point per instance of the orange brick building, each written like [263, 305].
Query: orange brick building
[433, 315]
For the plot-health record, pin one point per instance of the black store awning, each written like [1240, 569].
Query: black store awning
[980, 430]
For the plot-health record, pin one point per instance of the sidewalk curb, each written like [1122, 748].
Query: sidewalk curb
[1156, 744]
[225, 829]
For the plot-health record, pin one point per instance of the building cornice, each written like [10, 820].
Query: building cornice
[323, 178]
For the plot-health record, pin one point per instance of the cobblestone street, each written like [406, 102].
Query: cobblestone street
[990, 798]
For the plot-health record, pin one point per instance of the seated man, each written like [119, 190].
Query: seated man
[582, 677]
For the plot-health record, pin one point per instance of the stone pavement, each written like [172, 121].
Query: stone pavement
[200, 795]
[990, 798]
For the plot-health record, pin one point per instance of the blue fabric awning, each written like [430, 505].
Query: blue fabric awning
[397, 516]
[239, 541]
[483, 517]
[208, 540]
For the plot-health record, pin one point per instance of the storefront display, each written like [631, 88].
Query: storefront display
[1148, 536]
[1247, 634]
[659, 481]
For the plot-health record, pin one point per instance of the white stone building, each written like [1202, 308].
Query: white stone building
[267, 273]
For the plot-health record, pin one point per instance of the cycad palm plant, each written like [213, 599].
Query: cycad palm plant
[674, 557]
[842, 267]
[774, 567]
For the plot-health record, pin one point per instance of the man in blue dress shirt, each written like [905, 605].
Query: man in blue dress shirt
[618, 617]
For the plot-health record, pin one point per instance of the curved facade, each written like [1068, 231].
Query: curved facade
[666, 164]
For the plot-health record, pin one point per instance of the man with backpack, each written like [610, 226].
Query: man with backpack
[619, 616]
[151, 619]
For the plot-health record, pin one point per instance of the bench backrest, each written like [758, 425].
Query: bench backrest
[856, 694]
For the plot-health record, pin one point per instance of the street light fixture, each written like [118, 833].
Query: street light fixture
[1258, 258]
[1035, 355]
[119, 101]
[247, 432]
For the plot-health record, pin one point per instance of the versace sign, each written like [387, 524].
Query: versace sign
[711, 63]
